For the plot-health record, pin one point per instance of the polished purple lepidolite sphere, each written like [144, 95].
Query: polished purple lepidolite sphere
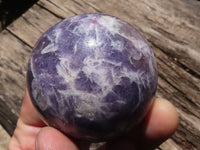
[92, 76]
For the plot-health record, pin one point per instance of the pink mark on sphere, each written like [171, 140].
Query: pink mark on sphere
[94, 21]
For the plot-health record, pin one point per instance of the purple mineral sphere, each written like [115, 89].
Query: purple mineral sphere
[92, 76]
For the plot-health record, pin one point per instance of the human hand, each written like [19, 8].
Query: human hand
[32, 133]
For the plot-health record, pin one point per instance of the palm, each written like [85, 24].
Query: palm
[152, 134]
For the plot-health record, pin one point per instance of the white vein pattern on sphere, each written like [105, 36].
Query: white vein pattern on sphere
[94, 56]
[111, 25]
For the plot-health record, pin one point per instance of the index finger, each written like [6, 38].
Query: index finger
[160, 123]
[28, 113]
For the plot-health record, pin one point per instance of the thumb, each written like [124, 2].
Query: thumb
[49, 138]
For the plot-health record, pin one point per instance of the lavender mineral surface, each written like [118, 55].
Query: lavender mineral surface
[92, 76]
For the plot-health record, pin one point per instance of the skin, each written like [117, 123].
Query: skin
[32, 133]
